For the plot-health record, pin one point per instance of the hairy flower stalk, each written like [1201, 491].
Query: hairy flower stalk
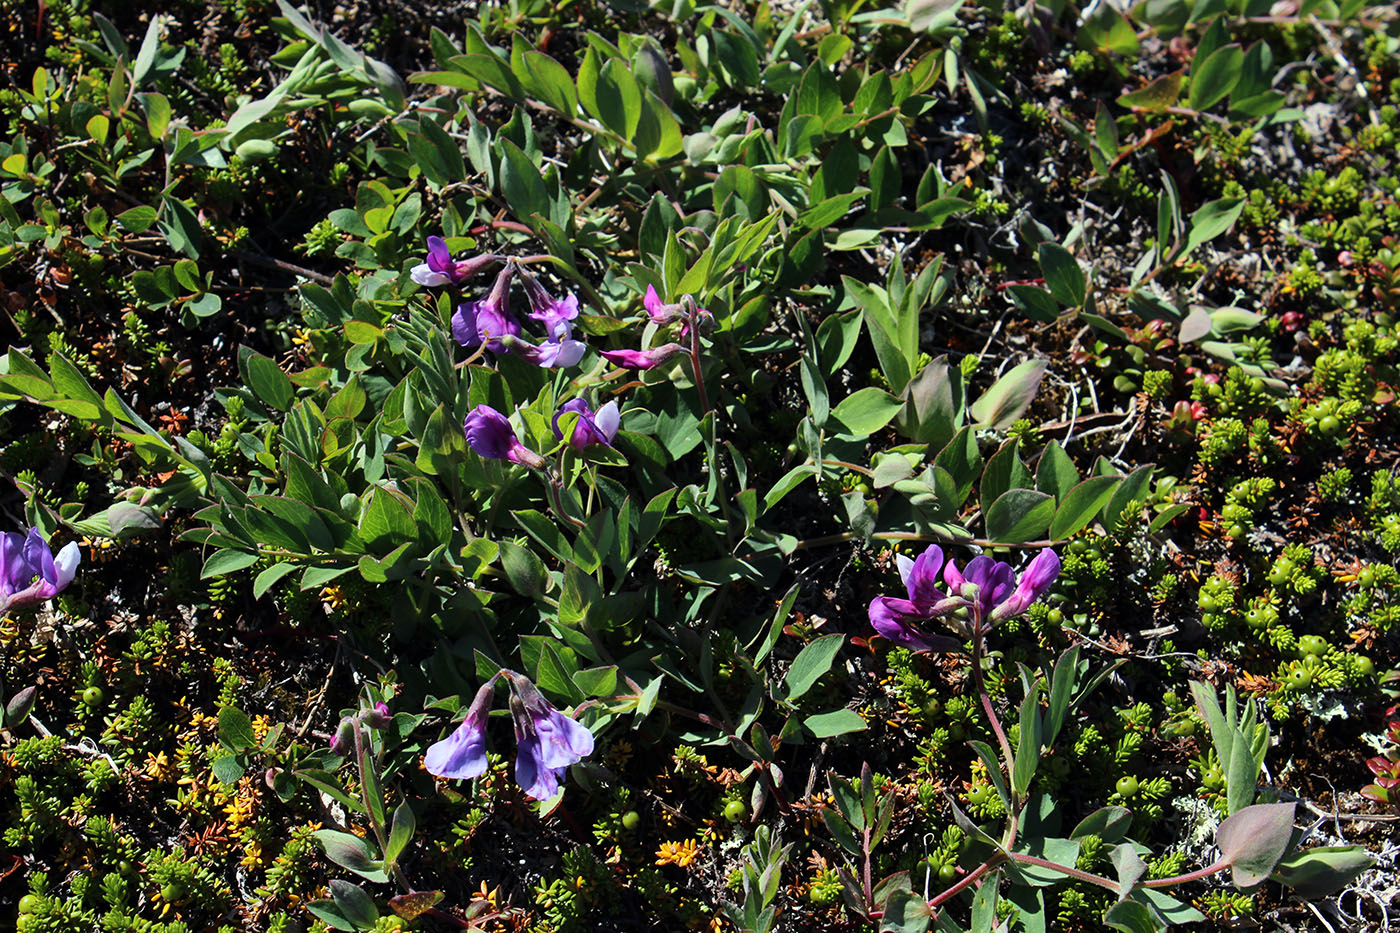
[29, 571]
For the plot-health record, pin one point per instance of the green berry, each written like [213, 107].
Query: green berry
[1367, 577]
[29, 903]
[1365, 666]
[735, 810]
[946, 872]
[1329, 426]
[1055, 617]
[1298, 679]
[1313, 645]
[174, 893]
[631, 820]
[1127, 786]
[93, 696]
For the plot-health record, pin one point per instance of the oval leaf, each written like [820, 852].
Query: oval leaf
[1081, 505]
[1019, 515]
[1254, 840]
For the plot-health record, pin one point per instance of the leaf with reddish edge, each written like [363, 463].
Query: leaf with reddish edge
[410, 906]
[1254, 840]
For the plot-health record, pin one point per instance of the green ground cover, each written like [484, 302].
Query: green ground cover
[560, 467]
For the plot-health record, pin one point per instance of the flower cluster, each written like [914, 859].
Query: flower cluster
[685, 313]
[488, 323]
[547, 741]
[489, 432]
[29, 571]
[983, 593]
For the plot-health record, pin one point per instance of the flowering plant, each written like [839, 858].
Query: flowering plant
[29, 571]
[547, 741]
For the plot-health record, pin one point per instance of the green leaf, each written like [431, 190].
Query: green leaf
[225, 561]
[1004, 471]
[1132, 917]
[1108, 823]
[1010, 396]
[268, 382]
[269, 576]
[1216, 77]
[1322, 871]
[834, 723]
[866, 411]
[1133, 487]
[1062, 273]
[138, 219]
[1027, 758]
[1056, 473]
[1081, 505]
[1253, 841]
[619, 98]
[1210, 220]
[811, 663]
[1108, 30]
[350, 852]
[906, 912]
[521, 183]
[550, 81]
[400, 832]
[1019, 515]
[355, 905]
[236, 729]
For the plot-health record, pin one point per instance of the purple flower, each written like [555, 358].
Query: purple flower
[547, 741]
[462, 754]
[559, 352]
[545, 308]
[660, 312]
[440, 269]
[1035, 581]
[489, 434]
[29, 572]
[895, 618]
[592, 427]
[642, 359]
[983, 582]
[487, 321]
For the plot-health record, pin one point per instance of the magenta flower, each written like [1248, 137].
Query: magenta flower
[984, 583]
[987, 589]
[462, 754]
[592, 427]
[659, 312]
[1034, 583]
[896, 618]
[547, 741]
[441, 269]
[643, 359]
[685, 311]
[489, 434]
[29, 572]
